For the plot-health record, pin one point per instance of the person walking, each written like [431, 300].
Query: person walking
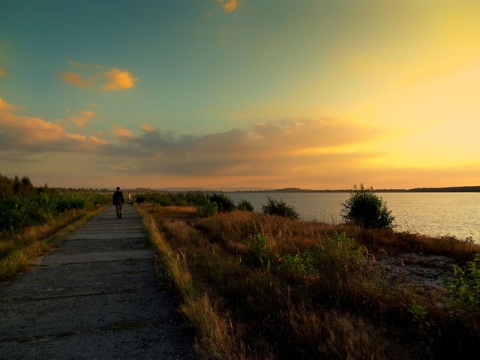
[118, 201]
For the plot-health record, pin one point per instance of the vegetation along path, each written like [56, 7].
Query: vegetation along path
[96, 296]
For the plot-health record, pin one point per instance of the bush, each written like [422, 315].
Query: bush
[140, 198]
[280, 208]
[258, 252]
[298, 265]
[196, 198]
[245, 205]
[366, 209]
[464, 289]
[207, 209]
[20, 212]
[224, 203]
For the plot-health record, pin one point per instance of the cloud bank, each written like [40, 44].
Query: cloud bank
[274, 148]
[30, 134]
[315, 153]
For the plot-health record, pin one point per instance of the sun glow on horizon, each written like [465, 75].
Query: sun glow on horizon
[243, 94]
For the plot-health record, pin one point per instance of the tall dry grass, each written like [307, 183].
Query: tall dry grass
[315, 291]
[217, 337]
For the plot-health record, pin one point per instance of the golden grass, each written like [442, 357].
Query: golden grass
[19, 251]
[397, 242]
[343, 335]
[349, 309]
[216, 336]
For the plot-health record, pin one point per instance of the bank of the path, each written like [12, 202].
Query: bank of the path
[96, 296]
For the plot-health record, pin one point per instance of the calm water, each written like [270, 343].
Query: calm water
[437, 214]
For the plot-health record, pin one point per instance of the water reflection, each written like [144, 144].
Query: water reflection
[438, 214]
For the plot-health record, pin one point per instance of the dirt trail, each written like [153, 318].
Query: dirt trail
[94, 297]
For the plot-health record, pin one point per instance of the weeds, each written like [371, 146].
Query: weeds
[266, 286]
[464, 289]
[217, 337]
[19, 213]
[420, 319]
[258, 252]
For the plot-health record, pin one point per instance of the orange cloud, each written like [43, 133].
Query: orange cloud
[121, 132]
[229, 6]
[5, 106]
[28, 133]
[2, 72]
[85, 139]
[81, 120]
[281, 149]
[147, 128]
[31, 129]
[74, 78]
[119, 79]
[88, 75]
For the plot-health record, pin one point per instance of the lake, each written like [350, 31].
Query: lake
[437, 214]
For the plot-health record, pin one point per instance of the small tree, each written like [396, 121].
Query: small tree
[366, 209]
[224, 203]
[280, 208]
[245, 205]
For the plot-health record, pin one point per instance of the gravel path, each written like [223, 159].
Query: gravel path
[94, 297]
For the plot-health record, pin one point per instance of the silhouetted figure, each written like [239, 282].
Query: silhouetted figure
[118, 201]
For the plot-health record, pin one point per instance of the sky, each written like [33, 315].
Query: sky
[240, 94]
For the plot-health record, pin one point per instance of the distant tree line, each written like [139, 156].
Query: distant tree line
[16, 187]
[448, 189]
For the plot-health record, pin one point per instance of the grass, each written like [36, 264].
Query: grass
[18, 250]
[258, 286]
[216, 335]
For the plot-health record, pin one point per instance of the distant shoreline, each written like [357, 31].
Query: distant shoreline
[298, 190]
[451, 189]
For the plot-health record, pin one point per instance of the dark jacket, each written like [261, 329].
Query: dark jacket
[118, 198]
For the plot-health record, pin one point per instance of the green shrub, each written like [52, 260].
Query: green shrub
[140, 198]
[280, 208]
[420, 319]
[245, 205]
[464, 289]
[207, 209]
[258, 252]
[20, 212]
[197, 198]
[338, 255]
[298, 265]
[224, 203]
[366, 209]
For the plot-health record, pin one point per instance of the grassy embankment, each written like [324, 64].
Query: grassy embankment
[258, 286]
[26, 221]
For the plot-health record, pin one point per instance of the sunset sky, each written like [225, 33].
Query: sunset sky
[235, 94]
